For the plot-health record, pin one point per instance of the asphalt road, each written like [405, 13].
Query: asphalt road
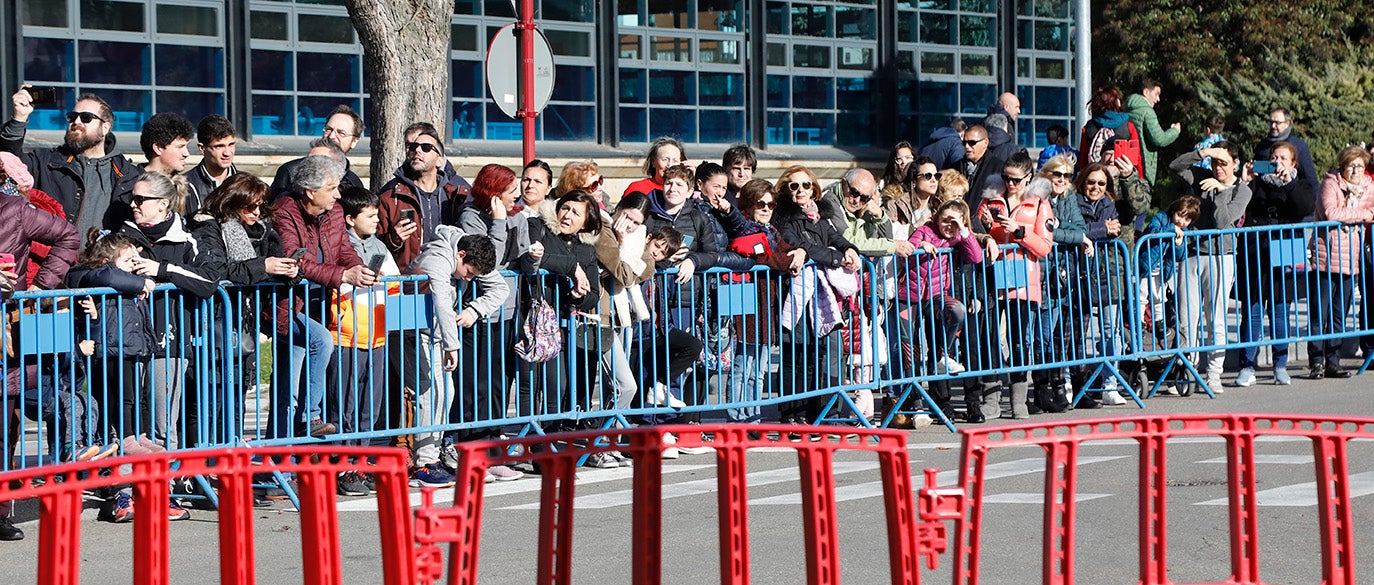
[1106, 534]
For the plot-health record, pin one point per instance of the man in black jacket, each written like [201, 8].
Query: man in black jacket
[343, 127]
[218, 144]
[84, 174]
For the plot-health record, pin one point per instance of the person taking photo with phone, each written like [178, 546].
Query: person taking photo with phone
[422, 192]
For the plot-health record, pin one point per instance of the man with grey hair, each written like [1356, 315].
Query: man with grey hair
[282, 183]
[865, 225]
[310, 220]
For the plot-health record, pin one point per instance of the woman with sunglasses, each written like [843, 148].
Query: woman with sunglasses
[581, 175]
[753, 236]
[1071, 240]
[1101, 276]
[1013, 216]
[803, 219]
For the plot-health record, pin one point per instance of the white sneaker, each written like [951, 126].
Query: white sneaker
[921, 421]
[1112, 398]
[662, 396]
[1214, 382]
[948, 365]
[670, 452]
[1245, 379]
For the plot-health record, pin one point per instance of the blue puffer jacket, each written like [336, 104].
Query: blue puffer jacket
[125, 326]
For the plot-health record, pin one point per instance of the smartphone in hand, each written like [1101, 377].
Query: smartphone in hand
[408, 215]
[298, 254]
[375, 264]
[1264, 167]
[43, 96]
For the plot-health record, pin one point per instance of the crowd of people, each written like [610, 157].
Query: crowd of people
[507, 248]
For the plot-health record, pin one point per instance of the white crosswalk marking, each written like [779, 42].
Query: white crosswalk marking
[993, 471]
[1037, 499]
[701, 486]
[1302, 494]
[1271, 459]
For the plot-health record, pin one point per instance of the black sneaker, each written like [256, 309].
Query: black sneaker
[8, 531]
[1335, 371]
[350, 483]
[370, 482]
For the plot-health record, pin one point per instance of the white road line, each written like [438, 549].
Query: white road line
[950, 477]
[529, 483]
[698, 487]
[1302, 494]
[1037, 499]
[1271, 459]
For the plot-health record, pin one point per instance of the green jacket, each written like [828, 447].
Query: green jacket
[1153, 137]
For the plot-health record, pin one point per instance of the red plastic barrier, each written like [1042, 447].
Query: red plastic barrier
[1330, 436]
[912, 533]
[60, 499]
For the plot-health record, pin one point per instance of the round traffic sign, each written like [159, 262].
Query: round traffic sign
[503, 70]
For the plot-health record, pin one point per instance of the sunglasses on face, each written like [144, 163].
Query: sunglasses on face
[1095, 183]
[140, 200]
[765, 205]
[1061, 175]
[85, 117]
[253, 206]
[855, 194]
[597, 183]
[795, 186]
[928, 176]
[973, 143]
[1014, 180]
[424, 147]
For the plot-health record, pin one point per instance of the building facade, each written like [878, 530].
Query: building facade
[774, 73]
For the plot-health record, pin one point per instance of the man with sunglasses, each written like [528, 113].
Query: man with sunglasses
[424, 191]
[978, 164]
[92, 183]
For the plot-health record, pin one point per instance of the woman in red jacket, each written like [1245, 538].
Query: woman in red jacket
[1014, 217]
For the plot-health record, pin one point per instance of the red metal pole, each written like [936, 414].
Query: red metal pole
[526, 111]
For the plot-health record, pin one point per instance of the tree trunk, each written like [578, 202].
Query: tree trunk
[406, 63]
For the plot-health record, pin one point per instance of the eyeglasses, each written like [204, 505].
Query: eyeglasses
[138, 200]
[332, 130]
[668, 161]
[795, 186]
[973, 143]
[1095, 183]
[252, 206]
[928, 176]
[85, 117]
[765, 205]
[1273, 122]
[1061, 174]
[855, 194]
[1354, 167]
[1016, 180]
[424, 147]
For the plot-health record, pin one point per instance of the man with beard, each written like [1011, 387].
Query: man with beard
[343, 127]
[1281, 130]
[218, 143]
[419, 196]
[92, 183]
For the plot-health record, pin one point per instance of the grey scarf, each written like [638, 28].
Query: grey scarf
[237, 245]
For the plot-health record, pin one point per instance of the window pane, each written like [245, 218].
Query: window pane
[575, 84]
[269, 25]
[472, 7]
[721, 15]
[45, 13]
[976, 97]
[813, 92]
[273, 70]
[779, 128]
[120, 63]
[857, 58]
[495, 8]
[714, 51]
[634, 126]
[977, 31]
[907, 24]
[192, 105]
[1051, 36]
[971, 64]
[937, 63]
[938, 98]
[48, 60]
[467, 120]
[855, 23]
[813, 21]
[937, 29]
[853, 93]
[500, 126]
[855, 128]
[468, 81]
[567, 122]
[669, 14]
[627, 13]
[977, 5]
[633, 86]
[567, 11]
[672, 87]
[1052, 101]
[777, 55]
[463, 37]
[722, 126]
[190, 66]
[1050, 69]
[327, 72]
[107, 15]
[131, 107]
[570, 43]
[629, 47]
[187, 20]
[722, 89]
[779, 91]
[673, 122]
[778, 19]
[811, 56]
[324, 29]
[813, 129]
[670, 49]
[1052, 8]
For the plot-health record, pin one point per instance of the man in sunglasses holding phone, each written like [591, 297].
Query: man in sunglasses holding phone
[92, 183]
[423, 190]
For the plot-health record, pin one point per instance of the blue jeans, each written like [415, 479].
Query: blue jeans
[748, 376]
[1252, 329]
[312, 347]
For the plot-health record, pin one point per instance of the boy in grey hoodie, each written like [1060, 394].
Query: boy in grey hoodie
[454, 254]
